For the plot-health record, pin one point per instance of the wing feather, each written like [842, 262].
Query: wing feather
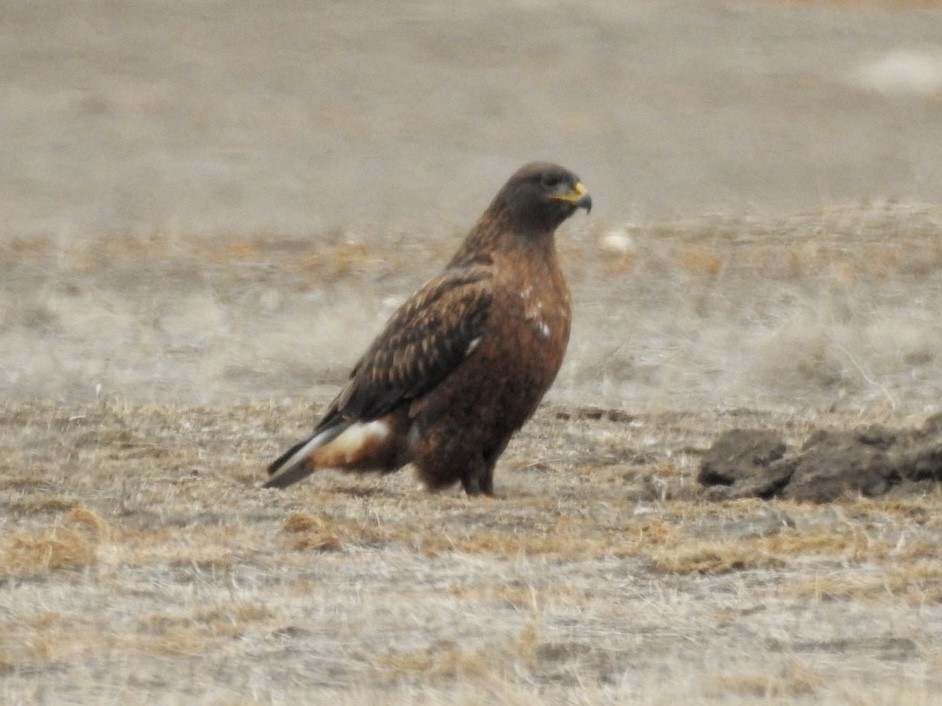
[426, 339]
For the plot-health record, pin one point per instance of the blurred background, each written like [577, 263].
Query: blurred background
[211, 200]
[226, 117]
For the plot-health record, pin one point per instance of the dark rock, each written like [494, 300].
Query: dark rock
[870, 461]
[745, 463]
[925, 463]
[737, 454]
[933, 425]
[837, 463]
[877, 435]
[911, 488]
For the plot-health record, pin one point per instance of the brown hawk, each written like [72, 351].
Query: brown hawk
[465, 361]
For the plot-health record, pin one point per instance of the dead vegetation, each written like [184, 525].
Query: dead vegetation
[138, 556]
[844, 315]
[134, 543]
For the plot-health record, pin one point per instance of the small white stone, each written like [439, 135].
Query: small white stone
[618, 241]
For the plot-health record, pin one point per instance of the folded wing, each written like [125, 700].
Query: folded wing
[425, 340]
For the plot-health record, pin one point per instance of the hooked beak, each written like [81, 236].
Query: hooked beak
[578, 197]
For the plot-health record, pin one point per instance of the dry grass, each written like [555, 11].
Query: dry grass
[845, 313]
[52, 550]
[152, 565]
[138, 556]
[793, 681]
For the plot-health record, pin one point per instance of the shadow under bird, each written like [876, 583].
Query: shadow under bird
[465, 361]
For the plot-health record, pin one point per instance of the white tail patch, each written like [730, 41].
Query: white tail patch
[346, 446]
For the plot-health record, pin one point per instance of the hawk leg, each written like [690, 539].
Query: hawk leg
[479, 480]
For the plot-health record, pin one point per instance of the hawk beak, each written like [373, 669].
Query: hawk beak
[578, 197]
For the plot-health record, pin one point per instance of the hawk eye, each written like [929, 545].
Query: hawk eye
[551, 181]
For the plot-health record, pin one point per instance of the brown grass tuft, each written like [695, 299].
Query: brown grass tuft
[713, 558]
[55, 549]
[441, 662]
[778, 549]
[447, 661]
[82, 517]
[793, 681]
[916, 584]
[699, 260]
[43, 505]
[311, 533]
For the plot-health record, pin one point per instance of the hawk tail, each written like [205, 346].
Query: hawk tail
[297, 462]
[341, 443]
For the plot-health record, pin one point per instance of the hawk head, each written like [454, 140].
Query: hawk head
[540, 196]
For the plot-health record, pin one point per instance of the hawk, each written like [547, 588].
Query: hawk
[465, 361]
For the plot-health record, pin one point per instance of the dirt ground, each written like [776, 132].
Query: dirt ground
[207, 213]
[139, 561]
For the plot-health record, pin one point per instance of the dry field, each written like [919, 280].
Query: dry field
[207, 210]
[139, 561]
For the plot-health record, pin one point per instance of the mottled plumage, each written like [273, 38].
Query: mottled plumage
[466, 360]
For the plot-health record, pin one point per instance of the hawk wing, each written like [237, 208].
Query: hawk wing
[422, 343]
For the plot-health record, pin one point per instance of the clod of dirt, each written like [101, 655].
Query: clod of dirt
[743, 463]
[833, 463]
[869, 461]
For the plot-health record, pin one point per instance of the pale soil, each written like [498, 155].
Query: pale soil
[209, 210]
